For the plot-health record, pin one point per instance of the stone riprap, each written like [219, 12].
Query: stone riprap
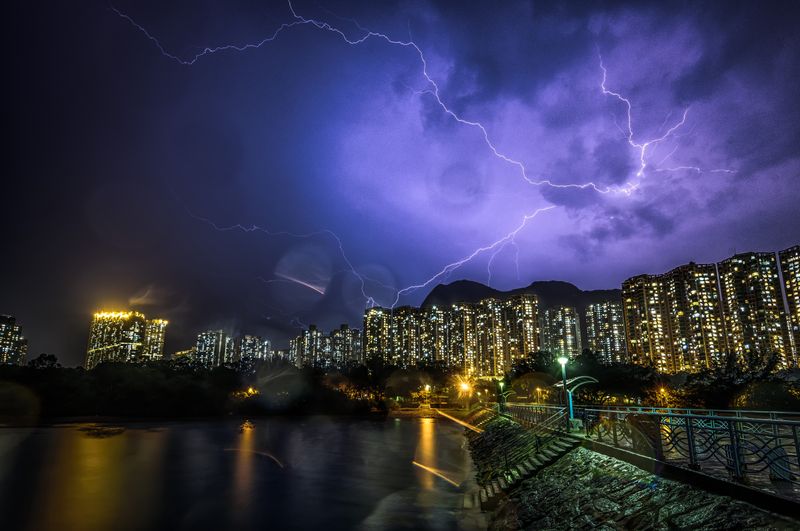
[502, 445]
[588, 490]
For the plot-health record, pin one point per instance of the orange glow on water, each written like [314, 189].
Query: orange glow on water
[459, 421]
[436, 472]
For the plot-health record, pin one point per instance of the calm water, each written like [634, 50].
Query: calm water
[317, 473]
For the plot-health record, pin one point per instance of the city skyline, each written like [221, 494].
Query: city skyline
[400, 265]
[299, 180]
[684, 319]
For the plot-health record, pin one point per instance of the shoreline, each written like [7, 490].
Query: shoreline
[99, 419]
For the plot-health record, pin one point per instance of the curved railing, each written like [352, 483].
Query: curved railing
[761, 452]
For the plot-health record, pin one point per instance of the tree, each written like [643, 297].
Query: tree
[44, 361]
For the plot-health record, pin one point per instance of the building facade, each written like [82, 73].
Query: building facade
[124, 337]
[790, 271]
[250, 347]
[13, 345]
[342, 346]
[694, 316]
[214, 348]
[154, 333]
[644, 310]
[605, 331]
[752, 303]
[479, 339]
[561, 331]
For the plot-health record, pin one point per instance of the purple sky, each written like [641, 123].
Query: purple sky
[126, 160]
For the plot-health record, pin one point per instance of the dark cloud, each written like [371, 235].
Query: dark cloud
[117, 153]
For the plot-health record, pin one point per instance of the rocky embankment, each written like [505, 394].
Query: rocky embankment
[588, 490]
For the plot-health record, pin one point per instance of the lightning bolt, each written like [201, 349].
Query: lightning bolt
[449, 268]
[643, 146]
[433, 90]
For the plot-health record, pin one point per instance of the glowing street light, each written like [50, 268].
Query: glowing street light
[567, 395]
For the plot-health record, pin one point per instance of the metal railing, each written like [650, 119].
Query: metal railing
[739, 413]
[545, 423]
[761, 452]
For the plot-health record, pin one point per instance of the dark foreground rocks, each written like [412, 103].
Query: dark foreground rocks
[587, 490]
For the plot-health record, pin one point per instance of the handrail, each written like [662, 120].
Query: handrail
[673, 410]
[735, 411]
[707, 417]
[764, 452]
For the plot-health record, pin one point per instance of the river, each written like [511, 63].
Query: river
[275, 473]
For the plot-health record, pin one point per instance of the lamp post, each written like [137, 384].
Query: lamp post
[567, 395]
[539, 395]
[465, 392]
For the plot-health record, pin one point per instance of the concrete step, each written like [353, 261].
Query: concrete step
[536, 462]
[468, 500]
[483, 496]
[561, 446]
[503, 484]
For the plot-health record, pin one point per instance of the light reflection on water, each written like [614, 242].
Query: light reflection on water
[279, 474]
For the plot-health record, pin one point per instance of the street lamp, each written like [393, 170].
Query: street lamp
[465, 390]
[567, 395]
[538, 395]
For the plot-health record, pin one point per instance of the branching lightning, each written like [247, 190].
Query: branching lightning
[449, 268]
[643, 146]
[432, 90]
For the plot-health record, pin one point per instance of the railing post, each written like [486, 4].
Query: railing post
[692, 450]
[796, 444]
[735, 456]
[614, 428]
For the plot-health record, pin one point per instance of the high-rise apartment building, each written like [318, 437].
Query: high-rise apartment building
[377, 334]
[561, 331]
[463, 345]
[492, 356]
[754, 316]
[605, 331]
[646, 318]
[407, 328]
[124, 337]
[250, 347]
[13, 345]
[346, 345]
[694, 316]
[343, 345]
[214, 348]
[481, 339]
[154, 332]
[790, 270]
[522, 323]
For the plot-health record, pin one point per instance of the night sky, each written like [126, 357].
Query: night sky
[126, 166]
